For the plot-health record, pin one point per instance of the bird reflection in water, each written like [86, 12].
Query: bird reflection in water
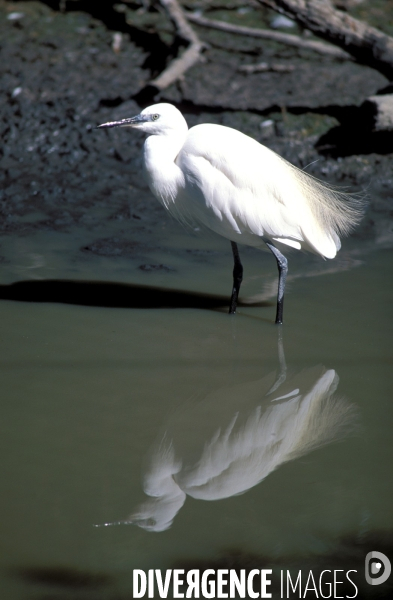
[236, 436]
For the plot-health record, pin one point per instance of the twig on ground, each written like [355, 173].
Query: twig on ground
[266, 34]
[191, 56]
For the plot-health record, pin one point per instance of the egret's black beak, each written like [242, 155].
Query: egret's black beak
[131, 122]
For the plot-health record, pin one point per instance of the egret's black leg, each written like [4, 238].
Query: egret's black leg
[237, 278]
[282, 265]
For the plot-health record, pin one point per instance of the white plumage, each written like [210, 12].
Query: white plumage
[240, 189]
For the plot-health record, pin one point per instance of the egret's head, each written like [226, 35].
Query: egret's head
[154, 120]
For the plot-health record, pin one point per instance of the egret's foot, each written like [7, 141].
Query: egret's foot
[232, 306]
[279, 313]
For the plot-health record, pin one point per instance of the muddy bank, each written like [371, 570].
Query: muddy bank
[61, 77]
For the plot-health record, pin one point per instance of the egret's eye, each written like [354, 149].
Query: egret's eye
[155, 117]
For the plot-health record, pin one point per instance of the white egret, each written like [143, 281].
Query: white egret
[227, 181]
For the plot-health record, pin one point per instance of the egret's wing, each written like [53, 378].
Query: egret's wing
[238, 186]
[232, 179]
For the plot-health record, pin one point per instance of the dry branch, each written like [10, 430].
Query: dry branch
[266, 34]
[190, 56]
[366, 44]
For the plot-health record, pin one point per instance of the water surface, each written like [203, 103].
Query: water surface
[162, 416]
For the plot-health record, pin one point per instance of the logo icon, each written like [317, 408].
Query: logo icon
[378, 568]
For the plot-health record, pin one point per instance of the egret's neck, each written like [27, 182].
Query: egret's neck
[163, 175]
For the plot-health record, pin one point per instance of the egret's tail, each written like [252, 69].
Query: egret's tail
[335, 212]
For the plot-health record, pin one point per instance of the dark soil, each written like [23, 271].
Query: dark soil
[61, 77]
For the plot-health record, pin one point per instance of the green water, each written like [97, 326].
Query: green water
[90, 392]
